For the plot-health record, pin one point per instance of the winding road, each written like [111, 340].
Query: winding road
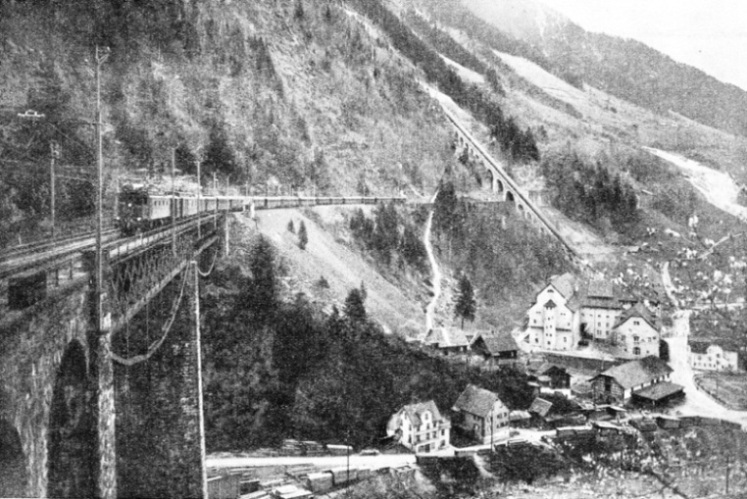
[696, 401]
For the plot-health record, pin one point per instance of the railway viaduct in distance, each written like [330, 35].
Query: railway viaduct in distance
[503, 184]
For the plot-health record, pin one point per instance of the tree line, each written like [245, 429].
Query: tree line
[590, 193]
[390, 236]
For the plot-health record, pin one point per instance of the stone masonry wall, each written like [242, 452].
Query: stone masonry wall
[31, 350]
[158, 420]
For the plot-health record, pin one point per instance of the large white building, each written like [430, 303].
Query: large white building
[553, 320]
[637, 332]
[565, 311]
[711, 356]
[599, 311]
[420, 427]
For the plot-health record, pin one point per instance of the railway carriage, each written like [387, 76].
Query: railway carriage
[139, 210]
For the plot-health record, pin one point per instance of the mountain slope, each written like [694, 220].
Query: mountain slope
[625, 68]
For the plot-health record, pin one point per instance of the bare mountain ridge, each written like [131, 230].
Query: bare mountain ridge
[625, 68]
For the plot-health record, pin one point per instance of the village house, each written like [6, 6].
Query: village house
[644, 380]
[448, 341]
[420, 427]
[599, 311]
[712, 356]
[553, 321]
[539, 410]
[552, 376]
[482, 415]
[496, 348]
[637, 332]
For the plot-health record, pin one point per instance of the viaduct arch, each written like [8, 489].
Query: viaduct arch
[502, 183]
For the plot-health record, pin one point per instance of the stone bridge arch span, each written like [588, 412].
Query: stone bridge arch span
[13, 471]
[35, 343]
[71, 432]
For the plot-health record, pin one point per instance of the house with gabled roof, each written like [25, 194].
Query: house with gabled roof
[553, 320]
[712, 355]
[637, 332]
[646, 379]
[481, 414]
[497, 348]
[447, 340]
[599, 310]
[552, 376]
[420, 427]
[540, 408]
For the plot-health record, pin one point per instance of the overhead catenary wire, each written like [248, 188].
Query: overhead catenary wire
[153, 348]
[212, 266]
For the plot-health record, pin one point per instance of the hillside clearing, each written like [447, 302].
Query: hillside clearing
[342, 268]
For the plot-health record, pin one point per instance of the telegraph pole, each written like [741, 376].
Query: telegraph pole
[101, 370]
[98, 280]
[53, 150]
[173, 200]
[52, 156]
[199, 198]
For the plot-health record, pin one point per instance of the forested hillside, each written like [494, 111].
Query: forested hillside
[289, 371]
[292, 93]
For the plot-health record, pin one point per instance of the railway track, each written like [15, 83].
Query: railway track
[66, 253]
[47, 244]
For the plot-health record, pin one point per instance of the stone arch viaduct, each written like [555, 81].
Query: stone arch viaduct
[503, 184]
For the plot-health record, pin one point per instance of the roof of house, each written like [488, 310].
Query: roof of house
[637, 310]
[446, 338]
[499, 343]
[540, 407]
[599, 288]
[415, 411]
[575, 302]
[595, 302]
[548, 367]
[565, 284]
[637, 372]
[519, 416]
[701, 346]
[659, 391]
[477, 401]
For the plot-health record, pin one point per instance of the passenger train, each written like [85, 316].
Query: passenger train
[139, 210]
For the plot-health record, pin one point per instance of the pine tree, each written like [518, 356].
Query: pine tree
[303, 237]
[260, 292]
[466, 304]
[355, 309]
[291, 227]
